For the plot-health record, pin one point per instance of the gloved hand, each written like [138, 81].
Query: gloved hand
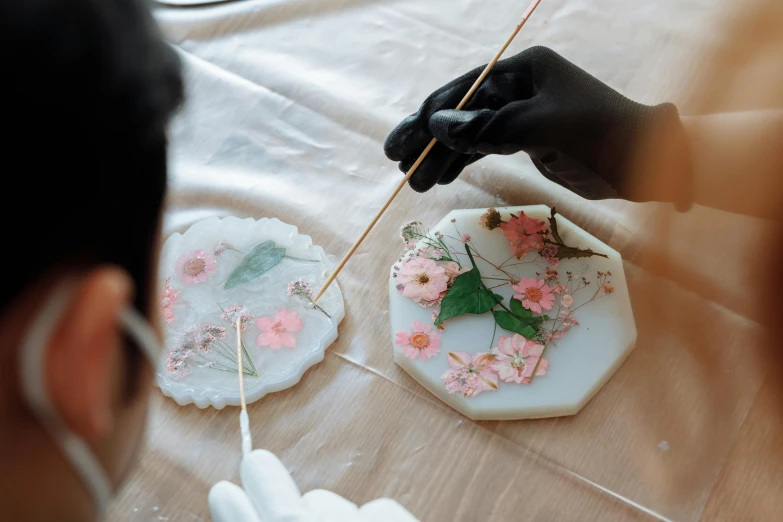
[578, 131]
[270, 495]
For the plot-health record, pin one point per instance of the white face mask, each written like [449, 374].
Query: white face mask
[32, 373]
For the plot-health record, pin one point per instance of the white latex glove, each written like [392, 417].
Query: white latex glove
[270, 495]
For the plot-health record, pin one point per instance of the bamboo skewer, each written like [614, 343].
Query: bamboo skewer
[244, 420]
[423, 155]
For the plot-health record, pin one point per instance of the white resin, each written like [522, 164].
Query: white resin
[581, 362]
[263, 296]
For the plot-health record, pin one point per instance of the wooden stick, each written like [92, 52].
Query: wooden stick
[244, 421]
[239, 366]
[427, 150]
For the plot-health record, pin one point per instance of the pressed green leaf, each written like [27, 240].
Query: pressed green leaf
[512, 323]
[467, 295]
[518, 309]
[259, 249]
[257, 262]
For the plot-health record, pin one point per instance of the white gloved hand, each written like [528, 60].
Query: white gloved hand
[270, 495]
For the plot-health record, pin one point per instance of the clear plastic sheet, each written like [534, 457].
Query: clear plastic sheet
[289, 103]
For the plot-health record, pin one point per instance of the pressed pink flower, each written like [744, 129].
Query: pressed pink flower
[523, 233]
[423, 279]
[567, 321]
[470, 374]
[549, 252]
[168, 299]
[232, 314]
[567, 300]
[420, 341]
[177, 363]
[453, 270]
[551, 274]
[276, 331]
[560, 289]
[516, 359]
[465, 238]
[535, 295]
[195, 267]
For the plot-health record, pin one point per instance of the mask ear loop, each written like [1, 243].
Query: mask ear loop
[33, 379]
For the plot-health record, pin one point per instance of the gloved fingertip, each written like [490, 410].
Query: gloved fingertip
[229, 503]
[385, 510]
[421, 183]
[327, 506]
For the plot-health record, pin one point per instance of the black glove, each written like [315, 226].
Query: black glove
[578, 131]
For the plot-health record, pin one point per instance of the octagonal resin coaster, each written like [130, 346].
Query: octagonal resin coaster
[259, 273]
[511, 313]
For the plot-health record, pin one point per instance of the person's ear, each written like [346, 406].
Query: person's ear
[84, 354]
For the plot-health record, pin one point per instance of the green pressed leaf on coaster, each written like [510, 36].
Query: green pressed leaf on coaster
[257, 262]
[467, 295]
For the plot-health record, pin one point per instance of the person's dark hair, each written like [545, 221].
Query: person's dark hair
[88, 87]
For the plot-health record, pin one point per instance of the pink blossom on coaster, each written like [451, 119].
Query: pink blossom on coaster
[516, 359]
[423, 280]
[535, 295]
[453, 270]
[420, 341]
[523, 234]
[560, 289]
[549, 252]
[567, 321]
[470, 374]
[177, 364]
[465, 238]
[567, 300]
[232, 314]
[195, 267]
[168, 299]
[276, 331]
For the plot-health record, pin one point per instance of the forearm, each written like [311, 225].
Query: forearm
[737, 161]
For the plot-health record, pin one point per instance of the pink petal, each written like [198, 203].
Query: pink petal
[517, 342]
[410, 351]
[265, 339]
[434, 342]
[543, 366]
[504, 346]
[264, 323]
[530, 305]
[481, 360]
[532, 348]
[292, 322]
[430, 351]
[403, 337]
[459, 360]
[527, 371]
[287, 340]
[417, 326]
[528, 283]
[488, 379]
